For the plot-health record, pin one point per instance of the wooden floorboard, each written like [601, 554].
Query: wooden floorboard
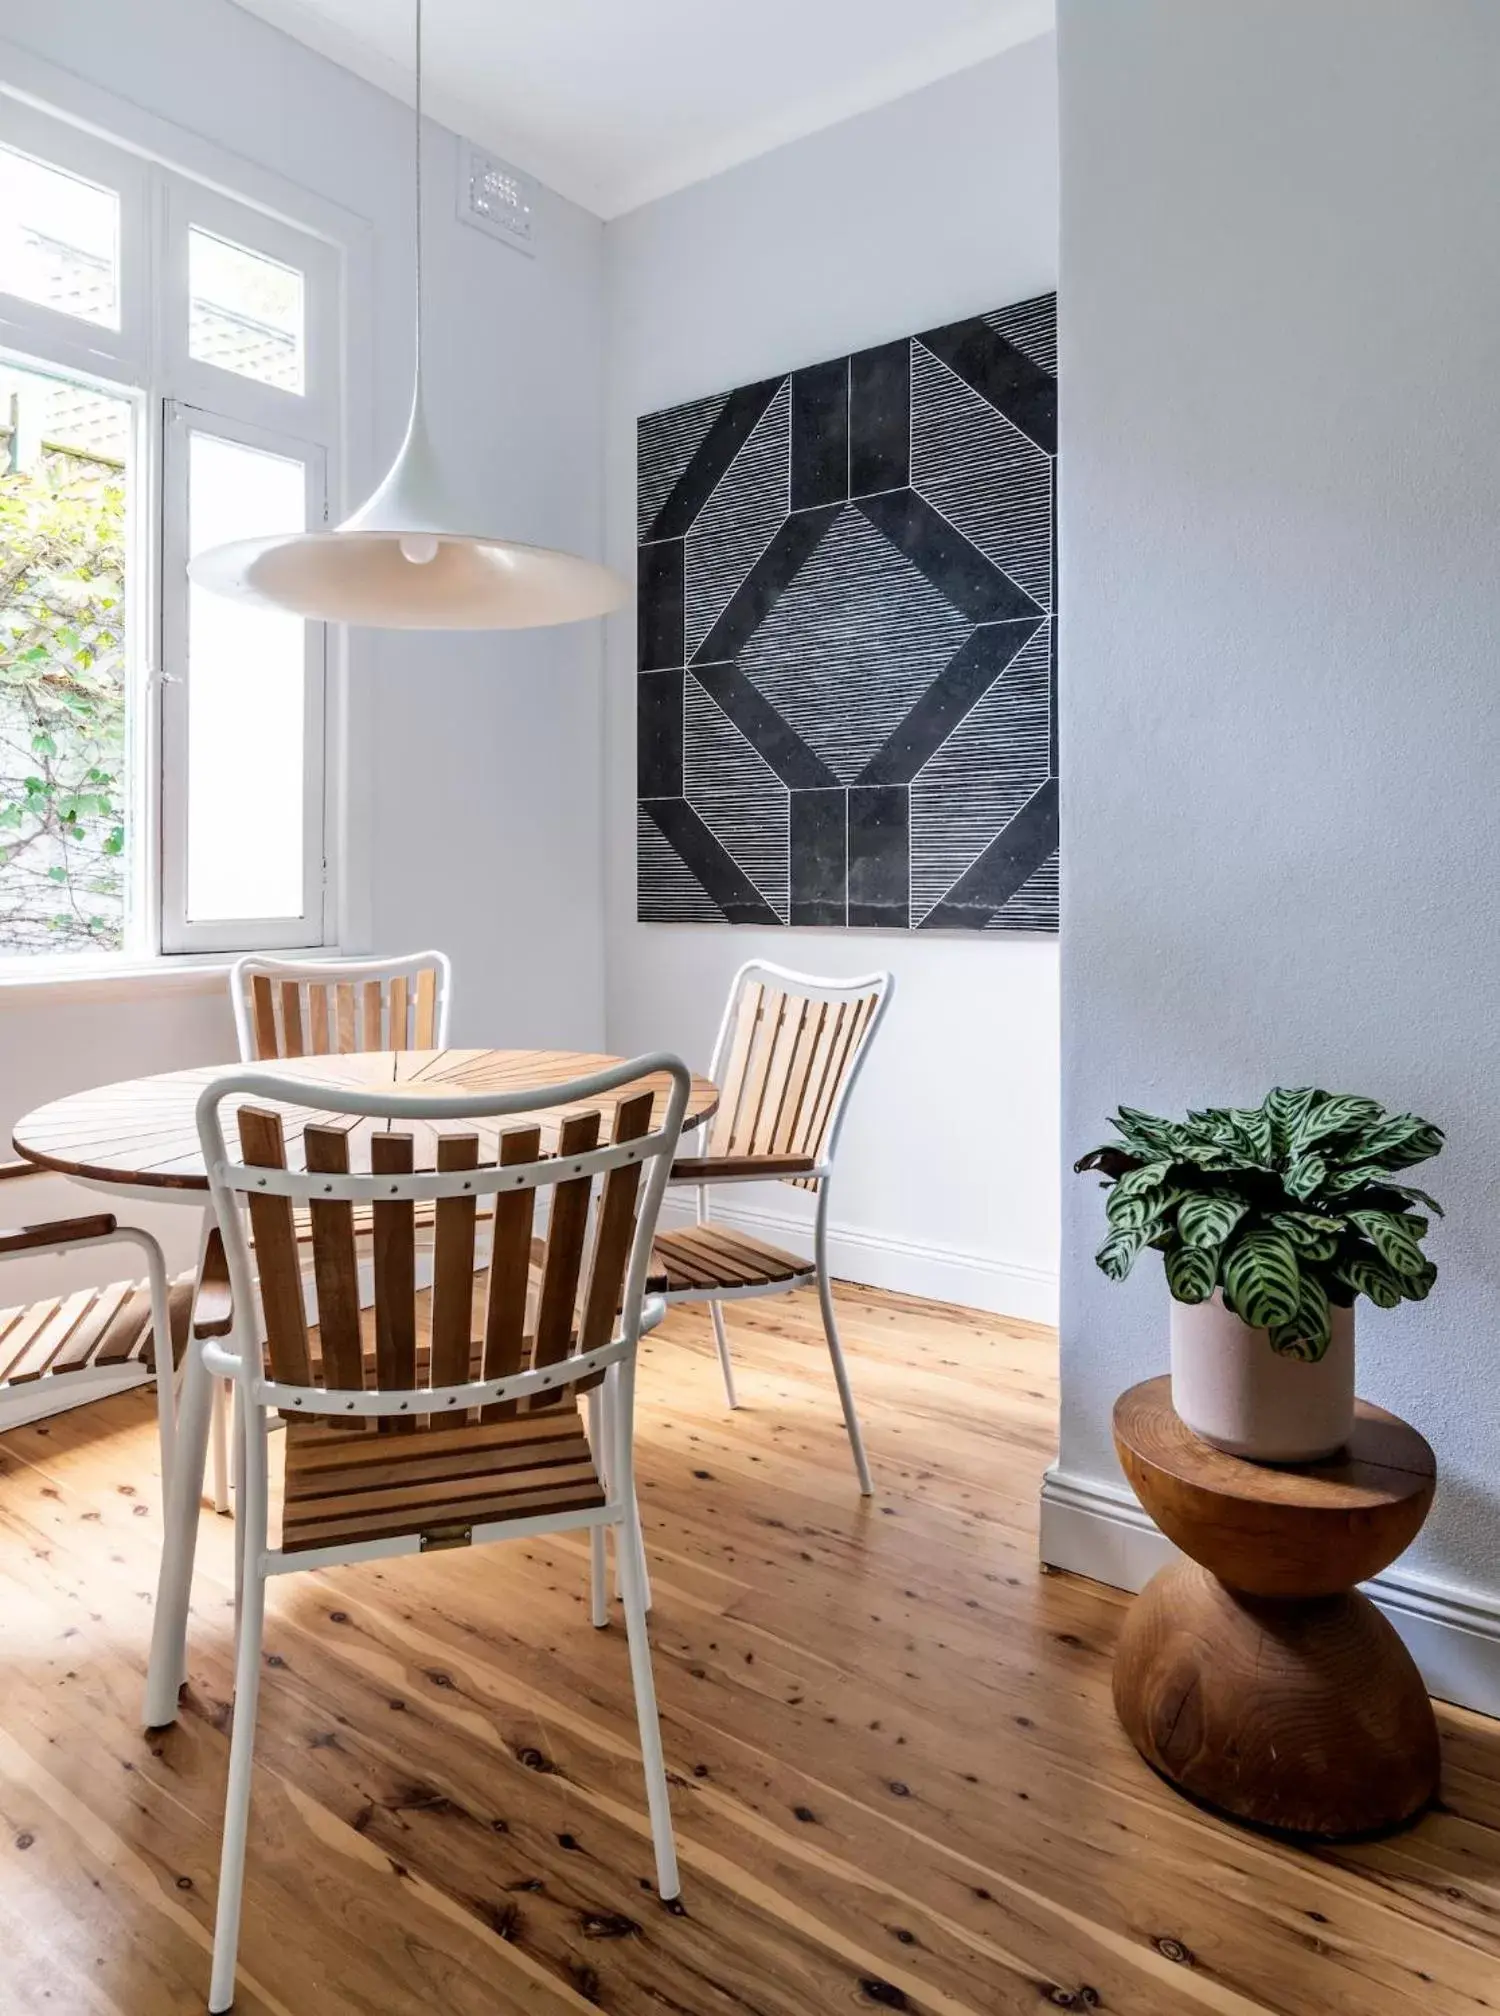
[896, 1774]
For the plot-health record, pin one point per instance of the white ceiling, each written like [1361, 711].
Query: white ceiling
[614, 102]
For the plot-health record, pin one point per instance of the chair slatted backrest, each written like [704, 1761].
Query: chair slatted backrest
[538, 1301]
[287, 1008]
[785, 1060]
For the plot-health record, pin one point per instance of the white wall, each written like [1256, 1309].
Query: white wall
[936, 206]
[1281, 704]
[477, 757]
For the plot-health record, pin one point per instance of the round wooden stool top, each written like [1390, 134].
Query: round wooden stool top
[1273, 1530]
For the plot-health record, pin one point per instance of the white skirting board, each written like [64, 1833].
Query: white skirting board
[943, 1273]
[1099, 1530]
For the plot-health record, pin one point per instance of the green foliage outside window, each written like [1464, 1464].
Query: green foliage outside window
[62, 704]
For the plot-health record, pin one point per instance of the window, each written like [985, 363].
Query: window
[245, 312]
[59, 240]
[167, 382]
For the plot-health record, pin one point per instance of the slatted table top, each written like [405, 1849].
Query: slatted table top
[144, 1130]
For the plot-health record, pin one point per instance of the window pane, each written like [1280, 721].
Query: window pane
[64, 482]
[246, 682]
[59, 240]
[245, 312]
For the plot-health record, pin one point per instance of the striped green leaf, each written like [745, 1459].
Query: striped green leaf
[1212, 1156]
[1110, 1160]
[1357, 1176]
[1399, 1142]
[1415, 1196]
[1262, 1281]
[1149, 1176]
[1367, 1274]
[1286, 1109]
[1332, 1114]
[1192, 1272]
[1306, 1177]
[1394, 1240]
[1209, 1220]
[1146, 1131]
[1309, 1333]
[1128, 1214]
[1314, 1236]
[1117, 1255]
[1252, 1127]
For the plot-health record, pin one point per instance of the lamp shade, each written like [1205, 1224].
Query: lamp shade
[409, 559]
[404, 561]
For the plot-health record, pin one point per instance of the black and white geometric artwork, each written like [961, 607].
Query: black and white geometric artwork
[847, 709]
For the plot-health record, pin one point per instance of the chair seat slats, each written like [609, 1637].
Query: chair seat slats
[321, 1447]
[67, 1314]
[89, 1334]
[704, 1258]
[343, 1488]
[19, 1337]
[108, 1326]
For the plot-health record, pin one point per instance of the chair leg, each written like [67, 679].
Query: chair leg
[221, 1445]
[252, 1510]
[598, 1579]
[167, 1668]
[726, 1364]
[657, 1800]
[840, 1369]
[636, 1540]
[237, 1798]
[165, 1372]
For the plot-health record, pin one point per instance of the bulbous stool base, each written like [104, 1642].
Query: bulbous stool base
[1306, 1717]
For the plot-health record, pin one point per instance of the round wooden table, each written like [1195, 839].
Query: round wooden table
[1254, 1675]
[142, 1133]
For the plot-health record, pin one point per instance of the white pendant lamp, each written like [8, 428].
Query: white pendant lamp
[406, 560]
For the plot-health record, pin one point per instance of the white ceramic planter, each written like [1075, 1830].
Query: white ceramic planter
[1231, 1388]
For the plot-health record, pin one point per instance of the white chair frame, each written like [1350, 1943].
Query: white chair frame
[39, 1399]
[34, 1402]
[818, 988]
[611, 1417]
[332, 972]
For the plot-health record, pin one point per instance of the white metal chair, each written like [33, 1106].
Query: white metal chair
[65, 1350]
[317, 1008]
[287, 1008]
[419, 1423]
[789, 1052]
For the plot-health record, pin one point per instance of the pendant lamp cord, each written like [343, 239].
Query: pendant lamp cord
[419, 189]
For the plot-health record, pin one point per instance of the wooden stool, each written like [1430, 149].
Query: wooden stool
[1254, 1675]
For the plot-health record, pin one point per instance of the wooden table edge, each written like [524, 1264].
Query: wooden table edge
[150, 1179]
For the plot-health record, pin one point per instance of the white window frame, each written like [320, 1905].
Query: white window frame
[147, 360]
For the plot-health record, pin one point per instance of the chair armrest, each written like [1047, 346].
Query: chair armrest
[10, 1171]
[740, 1168]
[56, 1232]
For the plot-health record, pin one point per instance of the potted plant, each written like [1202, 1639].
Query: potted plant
[1270, 1221]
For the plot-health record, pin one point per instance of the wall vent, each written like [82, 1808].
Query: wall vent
[499, 199]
